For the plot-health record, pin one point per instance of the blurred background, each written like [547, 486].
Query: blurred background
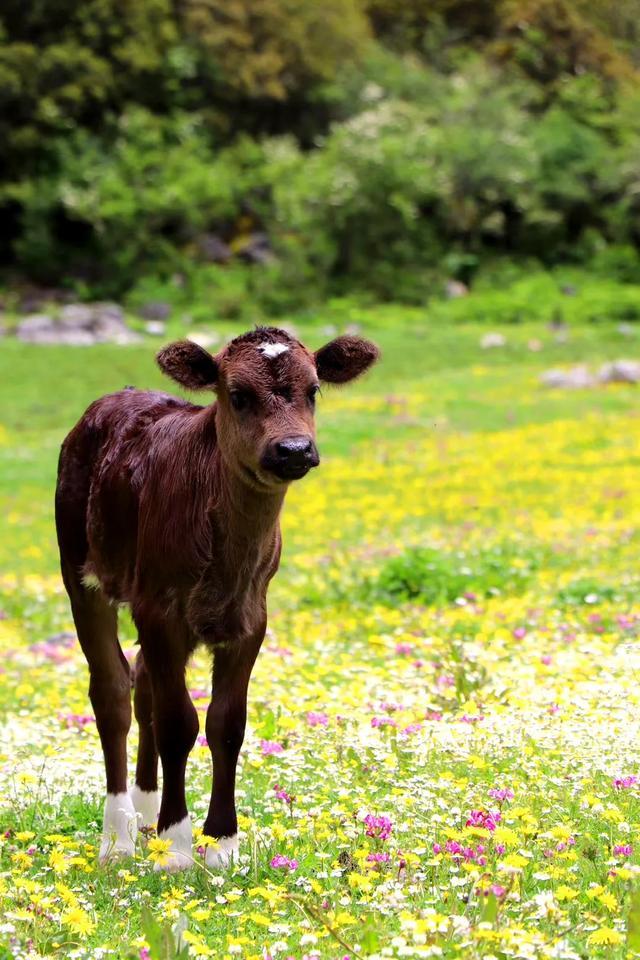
[245, 158]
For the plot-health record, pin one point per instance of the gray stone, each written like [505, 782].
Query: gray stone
[620, 371]
[575, 378]
[212, 249]
[454, 289]
[78, 325]
[76, 316]
[155, 310]
[492, 340]
[256, 248]
[156, 328]
[204, 338]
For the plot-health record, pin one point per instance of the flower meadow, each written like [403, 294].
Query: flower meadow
[441, 756]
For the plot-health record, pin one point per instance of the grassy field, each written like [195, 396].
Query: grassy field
[444, 719]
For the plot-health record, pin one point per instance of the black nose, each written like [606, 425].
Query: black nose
[291, 457]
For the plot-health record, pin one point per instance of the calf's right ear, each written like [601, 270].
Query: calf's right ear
[189, 365]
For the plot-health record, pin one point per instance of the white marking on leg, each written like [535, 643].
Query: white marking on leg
[120, 827]
[272, 350]
[222, 855]
[180, 855]
[147, 804]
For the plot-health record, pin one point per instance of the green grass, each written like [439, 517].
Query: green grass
[457, 602]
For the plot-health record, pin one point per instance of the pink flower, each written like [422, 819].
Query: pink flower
[623, 850]
[483, 818]
[202, 740]
[501, 794]
[282, 794]
[625, 783]
[270, 746]
[382, 722]
[281, 862]
[546, 659]
[378, 857]
[519, 633]
[77, 720]
[317, 719]
[412, 728]
[403, 649]
[379, 827]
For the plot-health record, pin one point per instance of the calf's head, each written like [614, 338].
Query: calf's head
[266, 383]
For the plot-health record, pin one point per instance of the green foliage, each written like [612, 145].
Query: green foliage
[383, 147]
[427, 575]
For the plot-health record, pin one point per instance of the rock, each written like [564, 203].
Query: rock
[254, 248]
[35, 327]
[492, 340]
[620, 371]
[78, 325]
[156, 310]
[212, 249]
[155, 327]
[454, 289]
[626, 329]
[76, 316]
[203, 338]
[576, 378]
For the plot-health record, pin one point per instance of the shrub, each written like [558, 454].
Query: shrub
[431, 576]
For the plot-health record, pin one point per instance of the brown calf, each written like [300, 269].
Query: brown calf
[174, 509]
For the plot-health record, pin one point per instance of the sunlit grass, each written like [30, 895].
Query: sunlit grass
[450, 678]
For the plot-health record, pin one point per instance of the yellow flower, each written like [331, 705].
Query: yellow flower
[78, 920]
[566, 893]
[159, 850]
[608, 900]
[604, 937]
[58, 862]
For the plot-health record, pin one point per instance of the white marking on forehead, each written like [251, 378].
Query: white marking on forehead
[272, 349]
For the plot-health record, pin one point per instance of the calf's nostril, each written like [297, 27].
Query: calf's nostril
[293, 447]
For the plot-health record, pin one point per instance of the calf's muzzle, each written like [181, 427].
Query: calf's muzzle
[290, 457]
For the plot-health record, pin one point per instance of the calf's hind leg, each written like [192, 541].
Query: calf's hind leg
[110, 694]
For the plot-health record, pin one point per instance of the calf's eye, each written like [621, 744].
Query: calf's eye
[312, 394]
[240, 400]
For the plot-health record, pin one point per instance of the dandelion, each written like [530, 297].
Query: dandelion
[605, 937]
[159, 850]
[78, 920]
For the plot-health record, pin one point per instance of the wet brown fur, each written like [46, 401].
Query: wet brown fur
[170, 506]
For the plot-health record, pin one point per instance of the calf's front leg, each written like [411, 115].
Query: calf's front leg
[175, 725]
[226, 721]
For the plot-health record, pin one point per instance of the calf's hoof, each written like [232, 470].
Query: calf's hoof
[223, 854]
[120, 828]
[147, 805]
[179, 856]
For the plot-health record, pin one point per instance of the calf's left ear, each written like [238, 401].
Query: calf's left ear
[345, 358]
[189, 365]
